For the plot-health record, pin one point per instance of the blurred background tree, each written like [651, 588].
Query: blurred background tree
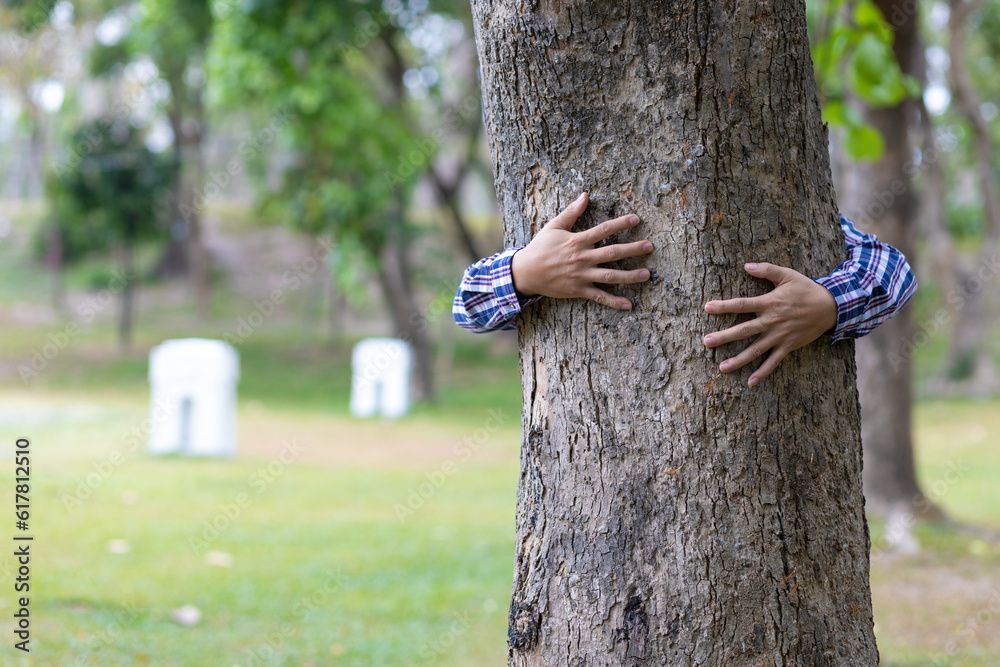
[174, 35]
[114, 196]
[340, 71]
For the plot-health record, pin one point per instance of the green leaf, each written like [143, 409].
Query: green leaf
[869, 18]
[835, 113]
[870, 60]
[864, 142]
[874, 75]
[912, 86]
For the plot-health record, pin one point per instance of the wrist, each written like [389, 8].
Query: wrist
[830, 307]
[519, 276]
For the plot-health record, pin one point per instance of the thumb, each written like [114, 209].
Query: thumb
[776, 274]
[567, 218]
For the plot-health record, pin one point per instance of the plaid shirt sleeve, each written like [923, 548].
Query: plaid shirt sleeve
[870, 286]
[486, 300]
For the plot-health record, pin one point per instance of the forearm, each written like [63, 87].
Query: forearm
[486, 299]
[870, 286]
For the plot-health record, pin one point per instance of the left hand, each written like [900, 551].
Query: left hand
[794, 314]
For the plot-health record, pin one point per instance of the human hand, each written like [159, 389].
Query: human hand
[563, 264]
[794, 314]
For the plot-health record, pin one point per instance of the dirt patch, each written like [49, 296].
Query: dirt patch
[345, 441]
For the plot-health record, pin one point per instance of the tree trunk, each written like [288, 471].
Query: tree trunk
[668, 515]
[940, 249]
[188, 196]
[55, 263]
[396, 279]
[448, 192]
[879, 196]
[447, 195]
[969, 358]
[126, 300]
[197, 255]
[174, 262]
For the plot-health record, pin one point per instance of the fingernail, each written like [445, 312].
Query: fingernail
[710, 307]
[647, 246]
[644, 274]
[627, 306]
[580, 198]
[753, 381]
[633, 221]
[751, 267]
[724, 366]
[708, 340]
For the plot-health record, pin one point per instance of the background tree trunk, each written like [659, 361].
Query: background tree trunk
[668, 515]
[396, 279]
[189, 255]
[968, 357]
[197, 253]
[126, 302]
[879, 196]
[174, 261]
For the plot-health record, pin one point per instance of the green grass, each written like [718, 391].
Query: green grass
[324, 567]
[396, 586]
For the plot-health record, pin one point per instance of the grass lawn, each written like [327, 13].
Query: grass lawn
[325, 572]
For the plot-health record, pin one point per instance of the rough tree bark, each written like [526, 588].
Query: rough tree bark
[879, 196]
[668, 515]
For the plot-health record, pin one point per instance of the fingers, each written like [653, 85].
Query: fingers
[754, 350]
[600, 296]
[567, 218]
[734, 333]
[616, 251]
[607, 228]
[772, 361]
[740, 305]
[616, 277]
[776, 274]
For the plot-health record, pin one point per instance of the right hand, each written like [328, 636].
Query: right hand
[564, 265]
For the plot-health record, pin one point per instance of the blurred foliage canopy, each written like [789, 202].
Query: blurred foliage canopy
[330, 68]
[852, 55]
